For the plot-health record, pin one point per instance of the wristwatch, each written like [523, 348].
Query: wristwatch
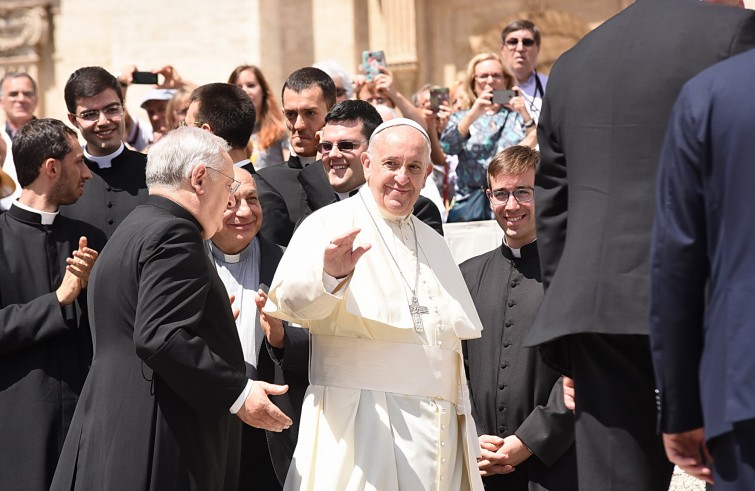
[528, 124]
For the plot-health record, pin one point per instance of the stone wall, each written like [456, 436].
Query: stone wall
[424, 40]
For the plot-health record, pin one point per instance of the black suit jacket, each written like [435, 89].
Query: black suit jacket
[276, 226]
[702, 307]
[284, 178]
[600, 131]
[168, 365]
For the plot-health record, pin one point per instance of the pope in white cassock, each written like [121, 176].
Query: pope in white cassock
[387, 307]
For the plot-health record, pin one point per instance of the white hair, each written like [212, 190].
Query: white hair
[172, 159]
[335, 69]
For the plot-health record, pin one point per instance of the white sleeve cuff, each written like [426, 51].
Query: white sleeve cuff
[329, 282]
[242, 397]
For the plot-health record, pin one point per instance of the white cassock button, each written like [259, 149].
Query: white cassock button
[443, 461]
[442, 427]
[442, 444]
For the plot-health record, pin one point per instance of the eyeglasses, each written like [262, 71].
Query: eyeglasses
[343, 146]
[482, 77]
[195, 123]
[501, 196]
[93, 115]
[234, 185]
[514, 42]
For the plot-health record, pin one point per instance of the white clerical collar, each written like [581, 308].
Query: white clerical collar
[242, 163]
[517, 253]
[47, 218]
[106, 161]
[234, 258]
[347, 194]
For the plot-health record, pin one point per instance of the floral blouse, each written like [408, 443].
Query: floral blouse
[488, 135]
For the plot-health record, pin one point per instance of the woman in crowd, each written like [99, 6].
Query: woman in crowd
[269, 142]
[479, 133]
[175, 111]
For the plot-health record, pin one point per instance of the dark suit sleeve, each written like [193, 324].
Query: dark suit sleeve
[173, 293]
[428, 212]
[294, 357]
[551, 195]
[24, 325]
[549, 430]
[276, 225]
[679, 266]
[317, 188]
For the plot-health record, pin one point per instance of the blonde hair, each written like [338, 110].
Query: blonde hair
[469, 81]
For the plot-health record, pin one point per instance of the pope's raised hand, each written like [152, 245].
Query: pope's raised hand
[341, 255]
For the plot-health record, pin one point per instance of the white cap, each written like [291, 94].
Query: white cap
[400, 122]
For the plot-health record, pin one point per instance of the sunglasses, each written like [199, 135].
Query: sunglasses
[526, 42]
[343, 146]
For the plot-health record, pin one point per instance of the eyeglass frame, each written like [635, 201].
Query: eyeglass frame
[96, 113]
[353, 144]
[234, 186]
[526, 42]
[483, 77]
[490, 193]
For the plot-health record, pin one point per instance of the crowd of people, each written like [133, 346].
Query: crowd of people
[253, 293]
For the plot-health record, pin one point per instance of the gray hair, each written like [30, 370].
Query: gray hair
[335, 69]
[171, 160]
[14, 75]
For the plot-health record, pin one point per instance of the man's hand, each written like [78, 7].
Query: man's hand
[501, 455]
[570, 399]
[491, 462]
[272, 327]
[259, 412]
[341, 256]
[171, 78]
[688, 451]
[76, 277]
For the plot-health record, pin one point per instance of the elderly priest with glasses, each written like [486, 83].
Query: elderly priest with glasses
[387, 308]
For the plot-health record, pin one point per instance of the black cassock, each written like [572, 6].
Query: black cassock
[112, 193]
[512, 390]
[45, 349]
[154, 412]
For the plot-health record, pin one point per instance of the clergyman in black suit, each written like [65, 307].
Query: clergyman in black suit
[168, 374]
[245, 262]
[526, 432]
[95, 107]
[45, 345]
[307, 96]
[600, 132]
[227, 111]
[701, 301]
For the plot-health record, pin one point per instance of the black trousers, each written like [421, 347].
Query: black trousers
[734, 458]
[617, 445]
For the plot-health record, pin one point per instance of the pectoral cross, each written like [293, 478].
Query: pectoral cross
[417, 310]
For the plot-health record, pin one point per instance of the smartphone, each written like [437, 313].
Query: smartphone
[438, 96]
[371, 63]
[144, 78]
[503, 96]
